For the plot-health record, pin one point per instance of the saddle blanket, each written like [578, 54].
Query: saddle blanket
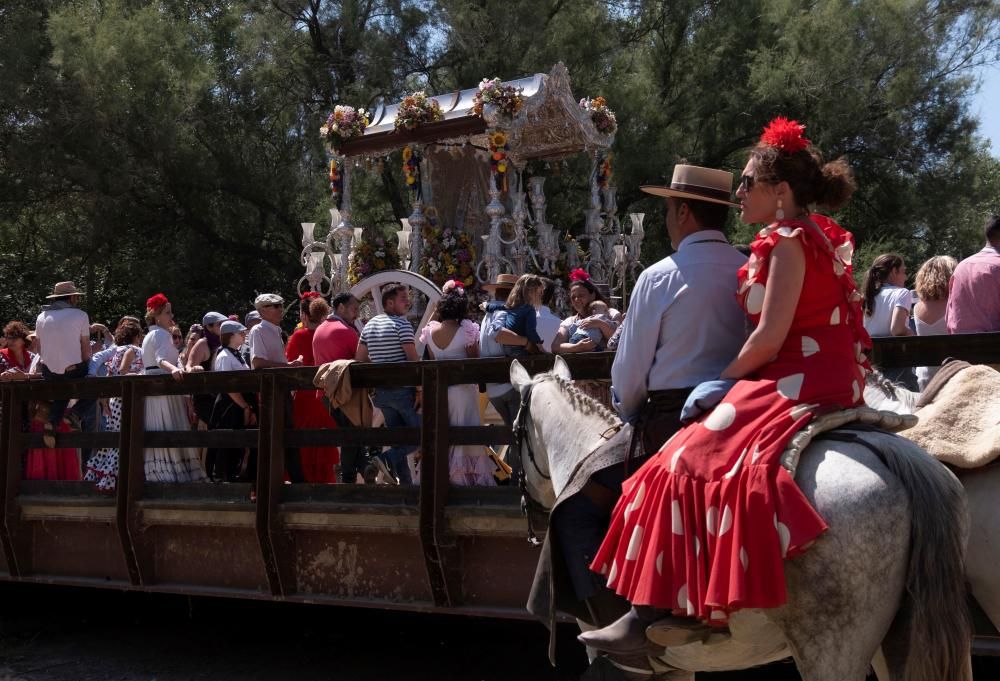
[961, 425]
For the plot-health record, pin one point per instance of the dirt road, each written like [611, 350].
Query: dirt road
[60, 634]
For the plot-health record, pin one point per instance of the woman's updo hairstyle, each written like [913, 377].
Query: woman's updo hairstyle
[154, 306]
[318, 310]
[454, 304]
[783, 154]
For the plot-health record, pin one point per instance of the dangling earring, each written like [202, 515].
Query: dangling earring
[779, 214]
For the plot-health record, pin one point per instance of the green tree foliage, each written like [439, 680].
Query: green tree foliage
[172, 144]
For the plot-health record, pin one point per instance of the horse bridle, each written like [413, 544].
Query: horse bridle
[522, 443]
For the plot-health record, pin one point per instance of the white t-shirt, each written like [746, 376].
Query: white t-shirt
[887, 299]
[59, 331]
[227, 361]
[547, 325]
[265, 342]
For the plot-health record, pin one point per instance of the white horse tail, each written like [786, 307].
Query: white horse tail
[930, 639]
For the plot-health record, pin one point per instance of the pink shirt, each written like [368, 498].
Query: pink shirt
[974, 294]
[334, 340]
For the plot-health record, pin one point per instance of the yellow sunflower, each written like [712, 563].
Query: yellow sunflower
[498, 139]
[407, 153]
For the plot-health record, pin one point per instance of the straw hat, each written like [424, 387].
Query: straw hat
[64, 289]
[503, 281]
[696, 183]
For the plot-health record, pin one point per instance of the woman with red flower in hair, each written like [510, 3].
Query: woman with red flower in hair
[702, 529]
[583, 293]
[166, 412]
[308, 410]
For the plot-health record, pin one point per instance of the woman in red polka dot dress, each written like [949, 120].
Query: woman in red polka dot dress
[703, 527]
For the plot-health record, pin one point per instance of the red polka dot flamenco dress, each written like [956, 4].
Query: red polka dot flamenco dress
[703, 527]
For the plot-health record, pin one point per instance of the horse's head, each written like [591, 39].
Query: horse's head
[539, 408]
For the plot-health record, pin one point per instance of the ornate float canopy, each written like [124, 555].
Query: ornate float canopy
[550, 125]
[479, 208]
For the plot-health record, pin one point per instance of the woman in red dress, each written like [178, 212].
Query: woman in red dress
[703, 527]
[308, 410]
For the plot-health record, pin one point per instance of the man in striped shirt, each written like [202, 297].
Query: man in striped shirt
[388, 337]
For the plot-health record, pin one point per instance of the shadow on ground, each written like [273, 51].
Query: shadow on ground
[62, 634]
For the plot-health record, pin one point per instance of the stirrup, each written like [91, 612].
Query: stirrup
[673, 631]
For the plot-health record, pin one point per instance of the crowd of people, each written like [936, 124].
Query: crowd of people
[948, 297]
[65, 345]
[722, 358]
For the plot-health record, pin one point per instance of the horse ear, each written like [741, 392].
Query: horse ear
[519, 376]
[561, 369]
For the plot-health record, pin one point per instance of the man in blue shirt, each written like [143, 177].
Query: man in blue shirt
[683, 327]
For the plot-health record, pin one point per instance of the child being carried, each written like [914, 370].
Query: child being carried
[597, 311]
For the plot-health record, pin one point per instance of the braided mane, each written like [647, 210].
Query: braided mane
[580, 400]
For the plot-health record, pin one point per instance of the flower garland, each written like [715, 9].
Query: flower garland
[417, 109]
[370, 256]
[506, 98]
[603, 117]
[448, 254]
[411, 169]
[343, 124]
[498, 156]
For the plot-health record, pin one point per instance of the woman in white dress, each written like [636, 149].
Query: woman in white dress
[166, 412]
[929, 316]
[454, 336]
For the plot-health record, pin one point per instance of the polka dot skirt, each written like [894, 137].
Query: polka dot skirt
[703, 528]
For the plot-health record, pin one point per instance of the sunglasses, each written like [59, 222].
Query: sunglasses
[178, 337]
[746, 183]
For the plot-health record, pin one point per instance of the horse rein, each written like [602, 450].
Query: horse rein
[521, 442]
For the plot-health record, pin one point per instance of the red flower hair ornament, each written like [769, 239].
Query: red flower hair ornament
[785, 135]
[452, 284]
[309, 295]
[579, 274]
[156, 302]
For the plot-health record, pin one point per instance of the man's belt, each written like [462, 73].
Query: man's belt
[666, 400]
[657, 401]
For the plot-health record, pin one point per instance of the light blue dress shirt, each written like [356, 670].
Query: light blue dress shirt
[683, 325]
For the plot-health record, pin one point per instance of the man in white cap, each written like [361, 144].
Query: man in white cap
[64, 347]
[267, 350]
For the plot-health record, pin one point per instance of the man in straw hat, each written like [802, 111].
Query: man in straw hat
[683, 327]
[64, 347]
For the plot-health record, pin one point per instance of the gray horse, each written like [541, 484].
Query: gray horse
[981, 488]
[885, 583]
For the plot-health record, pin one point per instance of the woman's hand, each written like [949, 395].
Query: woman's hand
[605, 328]
[586, 345]
[195, 368]
[472, 350]
[177, 374]
[249, 418]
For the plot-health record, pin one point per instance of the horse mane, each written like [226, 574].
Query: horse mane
[893, 391]
[580, 400]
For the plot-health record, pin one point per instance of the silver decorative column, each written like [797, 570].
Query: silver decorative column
[520, 250]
